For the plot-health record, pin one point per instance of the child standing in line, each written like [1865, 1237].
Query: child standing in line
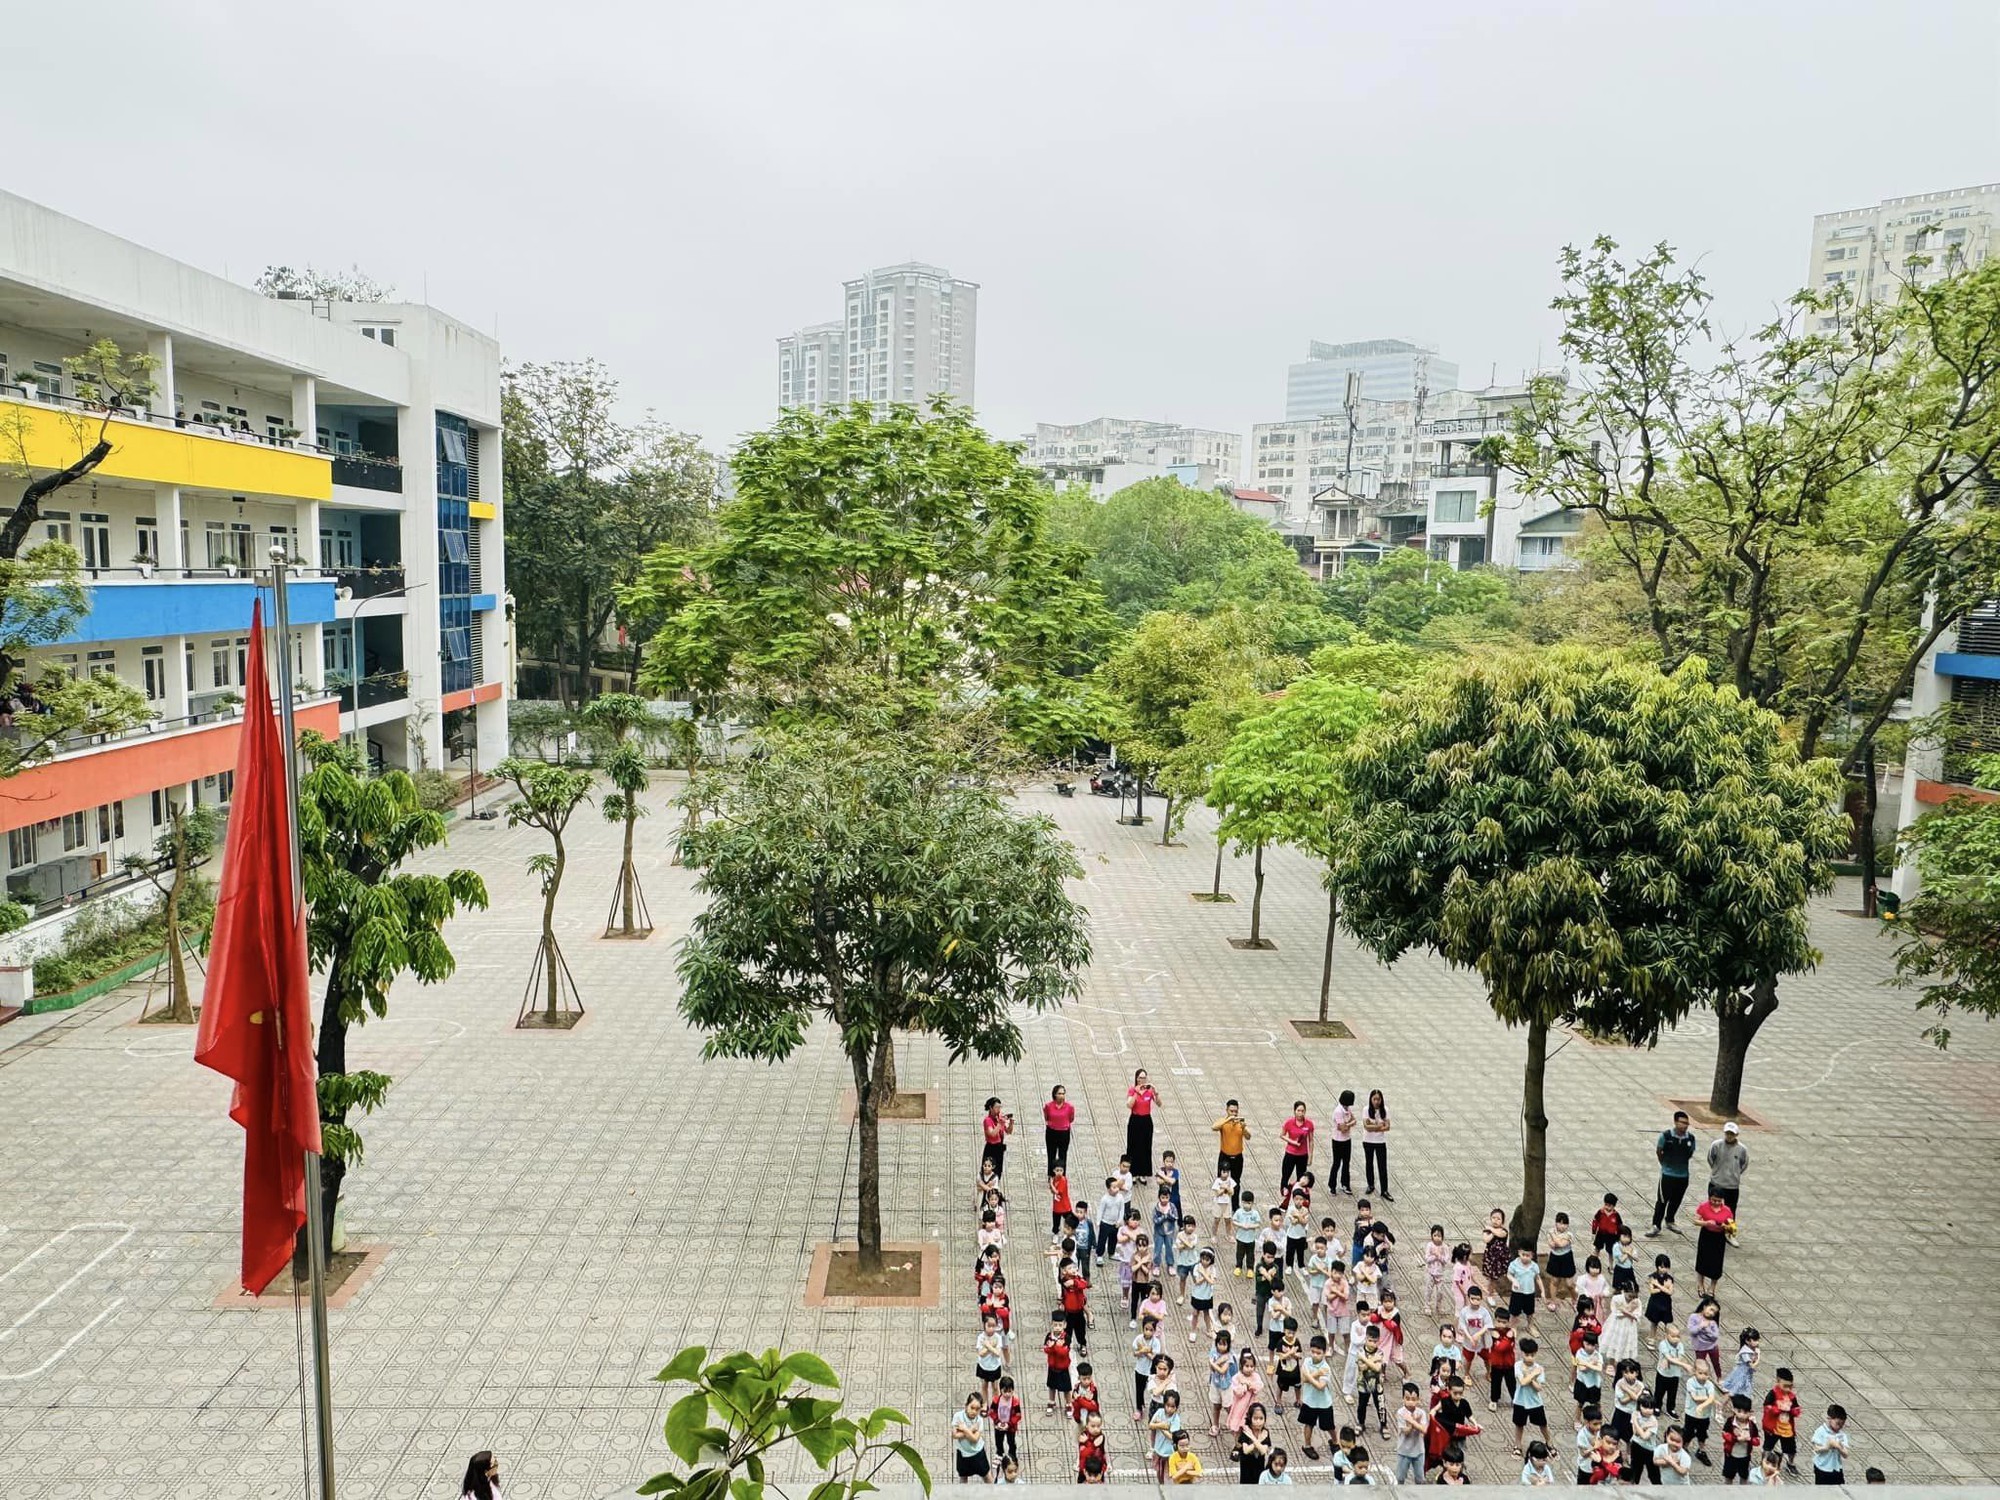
[1594, 1287]
[1782, 1410]
[1437, 1266]
[1076, 1308]
[1318, 1265]
[1223, 1198]
[1298, 1224]
[1145, 1349]
[1356, 1337]
[1084, 1402]
[1739, 1441]
[1493, 1258]
[1142, 1277]
[1370, 1370]
[1285, 1362]
[1624, 1264]
[1702, 1395]
[1670, 1363]
[1221, 1371]
[1524, 1280]
[1316, 1396]
[1659, 1297]
[1560, 1268]
[1056, 1355]
[1005, 1414]
[1333, 1303]
[1461, 1273]
[1170, 1179]
[1201, 1295]
[1626, 1390]
[1528, 1401]
[1059, 1201]
[1605, 1225]
[1270, 1276]
[1704, 1336]
[989, 1356]
[1110, 1215]
[1390, 1318]
[1245, 1221]
[1187, 1254]
[1278, 1312]
[1367, 1278]
[1086, 1236]
[1475, 1323]
[1742, 1377]
[1166, 1224]
[1124, 1249]
[1500, 1362]
[1154, 1304]
[1587, 1389]
[1621, 1332]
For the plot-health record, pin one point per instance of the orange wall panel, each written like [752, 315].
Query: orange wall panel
[133, 769]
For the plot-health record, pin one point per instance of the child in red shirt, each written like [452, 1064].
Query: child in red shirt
[1083, 1404]
[1059, 1204]
[1076, 1308]
[1055, 1350]
[1500, 1360]
[1005, 1413]
[1605, 1225]
[1090, 1445]
[1782, 1410]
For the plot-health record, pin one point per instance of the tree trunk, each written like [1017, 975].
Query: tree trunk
[1326, 968]
[1527, 1225]
[1257, 895]
[28, 509]
[549, 933]
[626, 876]
[332, 1059]
[180, 1005]
[1167, 824]
[1216, 889]
[1738, 1018]
[885, 1072]
[868, 1179]
[1139, 806]
[1868, 830]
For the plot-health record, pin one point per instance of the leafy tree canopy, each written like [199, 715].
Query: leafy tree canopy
[1408, 598]
[864, 554]
[1950, 945]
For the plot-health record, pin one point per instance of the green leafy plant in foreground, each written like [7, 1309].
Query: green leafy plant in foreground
[744, 1405]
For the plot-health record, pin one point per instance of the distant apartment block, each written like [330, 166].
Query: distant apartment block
[1109, 453]
[1869, 251]
[1390, 370]
[906, 333]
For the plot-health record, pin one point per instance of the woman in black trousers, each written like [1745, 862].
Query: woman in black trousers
[1375, 1143]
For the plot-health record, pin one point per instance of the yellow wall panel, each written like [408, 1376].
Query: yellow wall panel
[54, 438]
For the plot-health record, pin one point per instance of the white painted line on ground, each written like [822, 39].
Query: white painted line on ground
[125, 1232]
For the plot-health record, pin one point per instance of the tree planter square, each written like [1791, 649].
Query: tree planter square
[910, 1276]
[1323, 1031]
[346, 1274]
[1211, 898]
[1253, 945]
[910, 1107]
[1700, 1114]
[538, 1020]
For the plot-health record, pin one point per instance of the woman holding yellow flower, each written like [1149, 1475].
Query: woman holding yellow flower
[1716, 1220]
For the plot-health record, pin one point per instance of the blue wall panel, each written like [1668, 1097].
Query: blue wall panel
[135, 611]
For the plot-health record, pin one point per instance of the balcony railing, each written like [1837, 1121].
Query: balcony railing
[364, 471]
[370, 583]
[1464, 471]
[369, 692]
[213, 426]
[210, 573]
[217, 713]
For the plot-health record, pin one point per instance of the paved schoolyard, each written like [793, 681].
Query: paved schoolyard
[564, 1212]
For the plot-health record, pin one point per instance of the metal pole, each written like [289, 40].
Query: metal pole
[315, 1207]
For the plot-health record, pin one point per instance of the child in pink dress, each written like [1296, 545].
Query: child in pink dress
[1437, 1263]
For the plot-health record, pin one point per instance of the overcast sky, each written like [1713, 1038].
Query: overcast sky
[1162, 202]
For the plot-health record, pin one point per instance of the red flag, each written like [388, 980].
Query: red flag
[256, 1022]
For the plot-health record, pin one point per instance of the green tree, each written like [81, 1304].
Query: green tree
[1551, 821]
[1176, 673]
[533, 726]
[308, 283]
[105, 380]
[871, 882]
[546, 797]
[906, 552]
[743, 1406]
[1283, 779]
[1407, 598]
[626, 725]
[1809, 508]
[370, 923]
[188, 842]
[1160, 545]
[589, 495]
[1949, 933]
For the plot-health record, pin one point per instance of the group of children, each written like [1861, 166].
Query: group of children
[1324, 1327]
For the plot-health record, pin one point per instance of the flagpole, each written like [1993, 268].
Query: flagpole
[315, 1206]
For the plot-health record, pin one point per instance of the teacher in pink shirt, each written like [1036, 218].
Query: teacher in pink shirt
[1298, 1136]
[1140, 1099]
[1058, 1115]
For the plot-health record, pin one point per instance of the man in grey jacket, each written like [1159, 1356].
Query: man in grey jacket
[1728, 1160]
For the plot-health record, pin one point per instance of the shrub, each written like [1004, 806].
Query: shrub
[13, 916]
[436, 790]
[106, 938]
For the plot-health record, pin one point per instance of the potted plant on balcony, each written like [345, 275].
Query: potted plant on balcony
[145, 562]
[228, 703]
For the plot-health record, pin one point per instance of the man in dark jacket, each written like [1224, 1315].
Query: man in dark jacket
[1675, 1149]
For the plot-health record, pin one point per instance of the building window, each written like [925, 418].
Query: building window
[76, 831]
[159, 808]
[21, 847]
[149, 539]
[1456, 505]
[96, 540]
[103, 663]
[454, 546]
[218, 663]
[225, 786]
[153, 663]
[458, 645]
